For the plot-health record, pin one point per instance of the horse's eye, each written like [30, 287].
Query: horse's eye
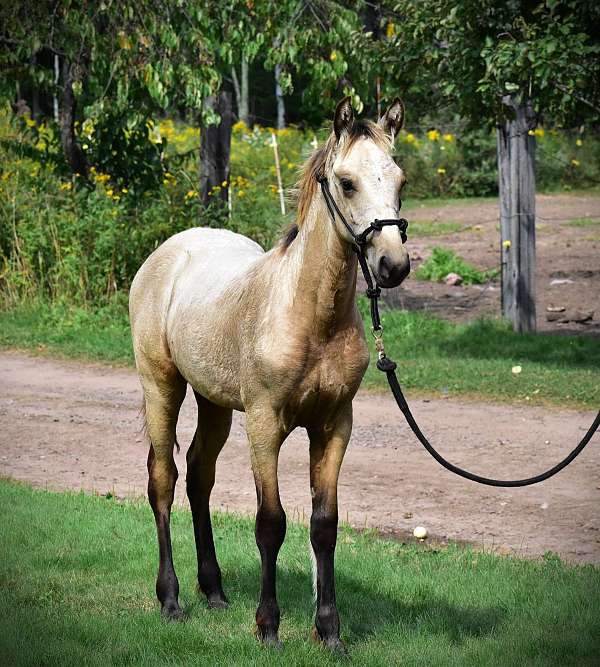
[347, 185]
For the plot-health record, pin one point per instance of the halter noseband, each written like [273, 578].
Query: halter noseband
[359, 244]
[360, 240]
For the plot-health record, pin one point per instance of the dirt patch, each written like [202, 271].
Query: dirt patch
[69, 425]
[568, 262]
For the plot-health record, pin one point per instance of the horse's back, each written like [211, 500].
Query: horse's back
[206, 259]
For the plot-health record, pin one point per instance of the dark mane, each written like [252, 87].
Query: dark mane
[289, 235]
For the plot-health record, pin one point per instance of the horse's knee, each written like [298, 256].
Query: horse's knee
[270, 527]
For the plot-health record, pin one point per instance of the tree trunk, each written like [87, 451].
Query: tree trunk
[516, 162]
[215, 148]
[279, 98]
[241, 92]
[73, 154]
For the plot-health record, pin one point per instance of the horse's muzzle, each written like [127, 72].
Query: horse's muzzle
[389, 273]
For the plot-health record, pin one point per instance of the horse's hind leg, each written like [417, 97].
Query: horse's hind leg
[163, 397]
[214, 423]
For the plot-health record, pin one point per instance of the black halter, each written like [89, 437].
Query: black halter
[359, 244]
[360, 240]
[387, 366]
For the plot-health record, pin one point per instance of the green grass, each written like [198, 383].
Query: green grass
[584, 222]
[101, 335]
[434, 356]
[410, 203]
[77, 587]
[443, 261]
[437, 356]
[433, 227]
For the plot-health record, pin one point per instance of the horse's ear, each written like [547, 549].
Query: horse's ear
[344, 117]
[393, 119]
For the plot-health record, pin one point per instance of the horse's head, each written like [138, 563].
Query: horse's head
[366, 182]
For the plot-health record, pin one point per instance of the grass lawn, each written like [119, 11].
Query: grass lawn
[434, 356]
[77, 587]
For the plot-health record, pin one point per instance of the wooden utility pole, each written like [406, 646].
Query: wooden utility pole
[516, 162]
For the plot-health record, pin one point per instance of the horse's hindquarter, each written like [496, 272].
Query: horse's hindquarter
[197, 277]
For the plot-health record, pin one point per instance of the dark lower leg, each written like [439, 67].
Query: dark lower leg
[270, 533]
[209, 573]
[161, 487]
[323, 537]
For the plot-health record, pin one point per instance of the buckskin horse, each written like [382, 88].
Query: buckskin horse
[277, 335]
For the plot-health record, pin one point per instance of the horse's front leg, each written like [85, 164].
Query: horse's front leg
[328, 444]
[266, 436]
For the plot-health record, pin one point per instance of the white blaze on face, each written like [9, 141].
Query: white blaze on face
[367, 185]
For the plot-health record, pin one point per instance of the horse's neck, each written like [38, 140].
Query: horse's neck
[320, 275]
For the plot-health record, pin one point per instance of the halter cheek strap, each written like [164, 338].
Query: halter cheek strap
[359, 245]
[360, 240]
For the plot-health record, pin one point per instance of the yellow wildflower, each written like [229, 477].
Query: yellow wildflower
[539, 132]
[124, 191]
[109, 192]
[191, 193]
[448, 137]
[433, 135]
[333, 56]
[575, 163]
[241, 193]
[224, 184]
[531, 133]
[410, 138]
[578, 142]
[30, 122]
[441, 170]
[240, 126]
[65, 186]
[390, 30]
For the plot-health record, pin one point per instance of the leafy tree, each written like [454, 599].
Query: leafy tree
[505, 64]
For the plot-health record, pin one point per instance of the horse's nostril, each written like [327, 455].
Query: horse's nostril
[384, 268]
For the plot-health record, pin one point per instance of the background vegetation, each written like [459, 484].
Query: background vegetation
[82, 240]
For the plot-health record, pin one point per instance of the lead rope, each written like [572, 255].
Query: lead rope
[387, 366]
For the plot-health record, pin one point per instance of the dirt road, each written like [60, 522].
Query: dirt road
[69, 425]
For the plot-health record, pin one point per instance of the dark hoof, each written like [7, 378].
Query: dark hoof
[218, 603]
[172, 613]
[270, 640]
[336, 646]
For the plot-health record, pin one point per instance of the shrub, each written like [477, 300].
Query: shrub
[443, 261]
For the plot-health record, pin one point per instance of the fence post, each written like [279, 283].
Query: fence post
[278, 171]
[516, 162]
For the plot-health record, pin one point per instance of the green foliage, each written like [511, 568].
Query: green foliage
[438, 356]
[67, 238]
[468, 55]
[443, 261]
[79, 573]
